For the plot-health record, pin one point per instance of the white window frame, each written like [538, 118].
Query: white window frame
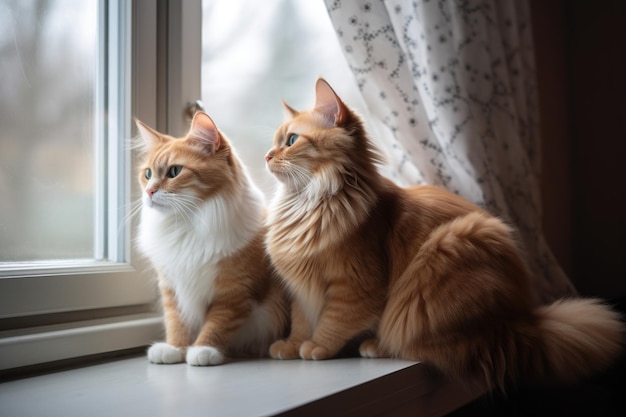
[69, 309]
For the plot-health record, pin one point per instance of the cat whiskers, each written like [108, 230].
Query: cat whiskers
[184, 205]
[131, 209]
[297, 176]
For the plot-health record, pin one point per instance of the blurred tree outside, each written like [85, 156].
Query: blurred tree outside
[48, 51]
[257, 53]
[254, 55]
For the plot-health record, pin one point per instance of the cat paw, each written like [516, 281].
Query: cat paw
[165, 353]
[284, 349]
[370, 348]
[311, 351]
[204, 356]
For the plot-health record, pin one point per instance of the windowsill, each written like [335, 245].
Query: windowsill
[32, 346]
[134, 387]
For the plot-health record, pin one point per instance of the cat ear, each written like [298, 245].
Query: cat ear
[328, 104]
[150, 137]
[292, 112]
[204, 133]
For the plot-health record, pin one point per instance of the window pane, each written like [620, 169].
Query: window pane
[48, 55]
[257, 53]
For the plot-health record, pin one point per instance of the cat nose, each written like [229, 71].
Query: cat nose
[269, 156]
[151, 191]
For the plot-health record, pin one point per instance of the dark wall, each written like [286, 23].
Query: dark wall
[581, 64]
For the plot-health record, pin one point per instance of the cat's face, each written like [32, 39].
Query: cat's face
[177, 174]
[312, 149]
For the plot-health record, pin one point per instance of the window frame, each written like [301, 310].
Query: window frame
[94, 307]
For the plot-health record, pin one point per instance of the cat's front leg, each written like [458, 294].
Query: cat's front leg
[176, 333]
[344, 317]
[204, 356]
[226, 315]
[164, 353]
[300, 331]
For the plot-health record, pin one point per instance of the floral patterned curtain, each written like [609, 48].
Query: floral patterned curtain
[450, 85]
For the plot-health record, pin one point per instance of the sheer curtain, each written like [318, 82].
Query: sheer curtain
[450, 85]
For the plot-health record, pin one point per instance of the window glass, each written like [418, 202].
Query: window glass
[48, 63]
[257, 53]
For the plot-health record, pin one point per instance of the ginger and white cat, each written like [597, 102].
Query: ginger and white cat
[202, 227]
[427, 275]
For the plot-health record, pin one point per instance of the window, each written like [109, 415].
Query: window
[256, 53]
[73, 74]
[71, 283]
[48, 114]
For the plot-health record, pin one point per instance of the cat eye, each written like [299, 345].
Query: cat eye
[292, 139]
[148, 173]
[174, 171]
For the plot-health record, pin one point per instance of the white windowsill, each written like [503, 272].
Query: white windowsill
[38, 345]
[134, 387]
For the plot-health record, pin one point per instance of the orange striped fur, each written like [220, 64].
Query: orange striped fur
[202, 227]
[419, 271]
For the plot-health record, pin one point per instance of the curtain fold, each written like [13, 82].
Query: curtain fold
[451, 87]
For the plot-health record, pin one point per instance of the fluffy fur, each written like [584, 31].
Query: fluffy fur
[428, 275]
[202, 228]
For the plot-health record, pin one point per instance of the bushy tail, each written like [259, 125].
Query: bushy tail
[564, 342]
[462, 305]
[576, 338]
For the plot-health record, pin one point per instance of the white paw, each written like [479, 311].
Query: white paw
[165, 353]
[204, 355]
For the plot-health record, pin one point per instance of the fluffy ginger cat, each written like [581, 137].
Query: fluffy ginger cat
[202, 228]
[427, 275]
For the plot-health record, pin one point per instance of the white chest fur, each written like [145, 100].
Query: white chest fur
[186, 249]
